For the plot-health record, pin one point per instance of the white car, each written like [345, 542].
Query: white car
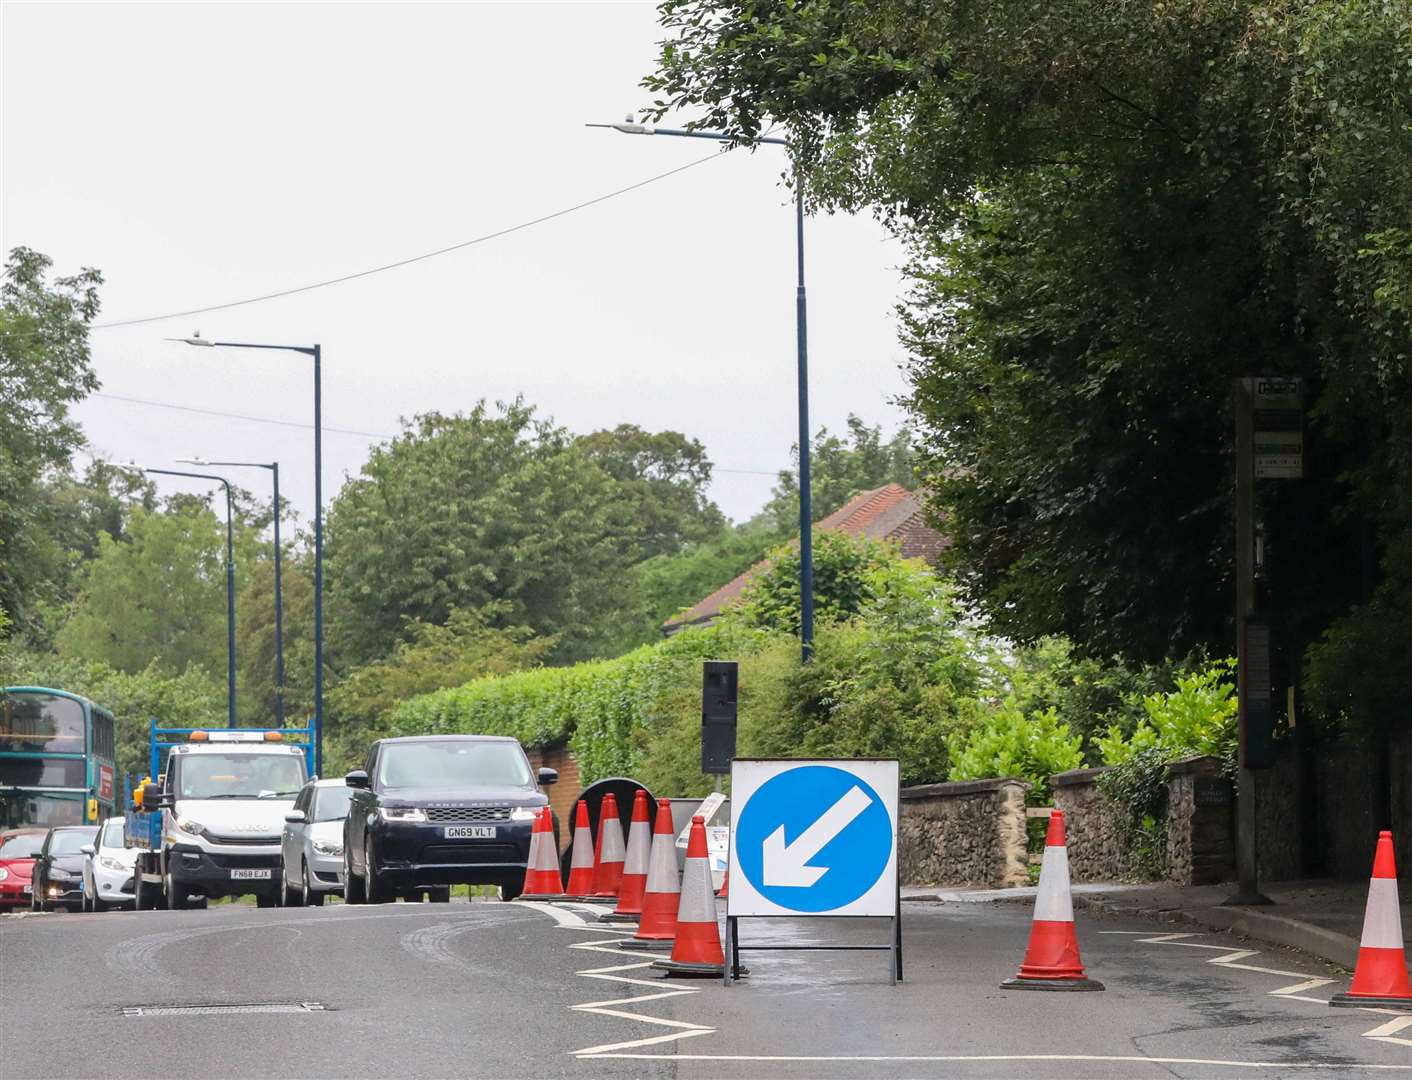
[311, 848]
[108, 868]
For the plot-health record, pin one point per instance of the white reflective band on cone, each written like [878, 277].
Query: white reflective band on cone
[698, 898]
[639, 848]
[612, 830]
[662, 870]
[1382, 922]
[1053, 902]
[542, 858]
[583, 850]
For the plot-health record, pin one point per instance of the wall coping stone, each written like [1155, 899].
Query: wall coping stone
[1075, 777]
[1197, 763]
[960, 787]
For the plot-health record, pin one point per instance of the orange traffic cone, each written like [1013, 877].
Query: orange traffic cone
[725, 892]
[657, 925]
[697, 949]
[634, 884]
[581, 864]
[542, 874]
[1052, 959]
[1381, 975]
[609, 877]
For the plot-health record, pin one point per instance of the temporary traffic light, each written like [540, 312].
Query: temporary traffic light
[719, 688]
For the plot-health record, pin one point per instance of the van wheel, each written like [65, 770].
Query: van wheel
[176, 897]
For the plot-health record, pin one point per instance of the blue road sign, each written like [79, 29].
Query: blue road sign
[812, 838]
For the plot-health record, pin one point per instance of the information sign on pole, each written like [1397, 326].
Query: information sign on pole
[812, 839]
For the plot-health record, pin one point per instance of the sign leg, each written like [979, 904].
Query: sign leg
[728, 969]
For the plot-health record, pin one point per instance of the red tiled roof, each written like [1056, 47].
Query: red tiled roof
[890, 512]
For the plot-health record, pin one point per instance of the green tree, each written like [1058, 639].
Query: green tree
[44, 370]
[844, 566]
[664, 476]
[463, 511]
[668, 583]
[840, 468]
[1115, 210]
[430, 658]
[158, 596]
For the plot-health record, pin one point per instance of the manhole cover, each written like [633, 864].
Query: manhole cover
[223, 1010]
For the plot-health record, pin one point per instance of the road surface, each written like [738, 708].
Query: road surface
[519, 990]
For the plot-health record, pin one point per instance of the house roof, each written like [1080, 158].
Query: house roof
[890, 512]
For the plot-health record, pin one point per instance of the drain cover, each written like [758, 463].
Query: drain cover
[226, 1010]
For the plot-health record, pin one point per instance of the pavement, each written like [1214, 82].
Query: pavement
[487, 989]
[1322, 918]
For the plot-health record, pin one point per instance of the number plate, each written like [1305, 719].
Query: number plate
[250, 875]
[470, 832]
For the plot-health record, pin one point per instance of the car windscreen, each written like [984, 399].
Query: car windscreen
[452, 765]
[23, 846]
[331, 803]
[239, 776]
[113, 833]
[69, 841]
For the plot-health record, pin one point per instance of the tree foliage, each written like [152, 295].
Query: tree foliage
[840, 468]
[844, 567]
[1115, 210]
[44, 369]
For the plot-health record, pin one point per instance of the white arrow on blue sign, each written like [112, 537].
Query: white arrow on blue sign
[813, 837]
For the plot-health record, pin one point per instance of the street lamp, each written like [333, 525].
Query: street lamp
[273, 466]
[806, 538]
[230, 578]
[313, 351]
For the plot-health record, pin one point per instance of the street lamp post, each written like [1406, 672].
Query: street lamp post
[273, 466]
[230, 580]
[806, 538]
[314, 352]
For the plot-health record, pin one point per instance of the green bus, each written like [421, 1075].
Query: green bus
[58, 762]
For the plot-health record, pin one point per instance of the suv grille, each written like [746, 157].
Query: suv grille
[467, 815]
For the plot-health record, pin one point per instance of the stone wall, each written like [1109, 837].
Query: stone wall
[1279, 816]
[1200, 820]
[969, 832]
[1090, 826]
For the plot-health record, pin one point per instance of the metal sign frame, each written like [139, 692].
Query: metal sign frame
[893, 946]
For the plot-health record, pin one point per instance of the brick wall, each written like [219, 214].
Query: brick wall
[565, 793]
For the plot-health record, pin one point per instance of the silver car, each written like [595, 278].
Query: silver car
[311, 847]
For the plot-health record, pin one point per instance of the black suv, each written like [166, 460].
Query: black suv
[432, 811]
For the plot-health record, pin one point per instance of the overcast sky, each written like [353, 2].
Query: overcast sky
[203, 153]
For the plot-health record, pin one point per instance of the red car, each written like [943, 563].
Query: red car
[18, 849]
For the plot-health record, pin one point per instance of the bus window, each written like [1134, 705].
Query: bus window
[38, 722]
[19, 809]
[43, 773]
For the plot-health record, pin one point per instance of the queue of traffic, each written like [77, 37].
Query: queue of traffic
[236, 812]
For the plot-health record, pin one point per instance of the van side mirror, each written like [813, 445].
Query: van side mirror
[294, 817]
[548, 776]
[357, 778]
[87, 849]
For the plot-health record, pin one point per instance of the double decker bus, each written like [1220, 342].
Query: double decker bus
[57, 759]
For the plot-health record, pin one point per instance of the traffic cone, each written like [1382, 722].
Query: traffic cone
[1052, 959]
[1381, 975]
[657, 925]
[696, 951]
[725, 892]
[634, 884]
[609, 877]
[542, 874]
[581, 864]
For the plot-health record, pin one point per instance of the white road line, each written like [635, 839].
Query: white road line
[569, 920]
[957, 1058]
[1230, 958]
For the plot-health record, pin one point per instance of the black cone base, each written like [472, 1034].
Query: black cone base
[1021, 983]
[1351, 1001]
[613, 916]
[633, 945]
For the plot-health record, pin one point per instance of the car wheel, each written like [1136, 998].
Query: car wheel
[312, 897]
[512, 892]
[352, 884]
[440, 896]
[292, 897]
[374, 888]
[176, 895]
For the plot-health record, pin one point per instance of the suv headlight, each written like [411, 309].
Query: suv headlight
[327, 847]
[402, 813]
[524, 813]
[189, 826]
